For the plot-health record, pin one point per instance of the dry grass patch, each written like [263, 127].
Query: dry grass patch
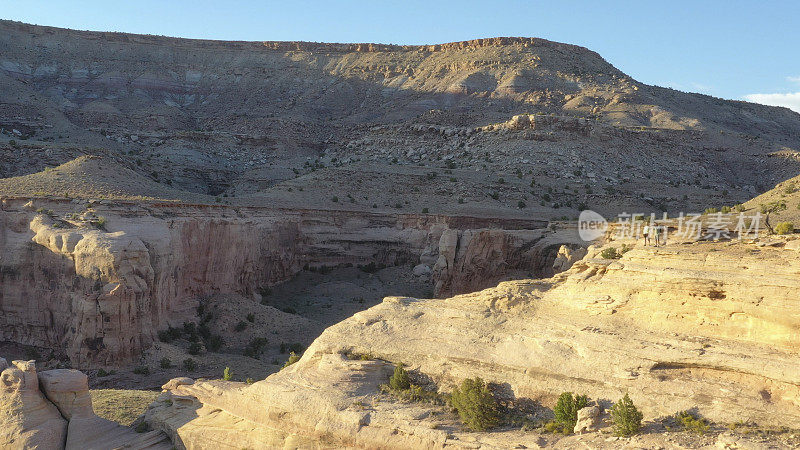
[121, 406]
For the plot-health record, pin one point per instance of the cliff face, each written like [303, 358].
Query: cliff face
[100, 295]
[711, 326]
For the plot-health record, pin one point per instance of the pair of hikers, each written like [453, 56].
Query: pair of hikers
[652, 232]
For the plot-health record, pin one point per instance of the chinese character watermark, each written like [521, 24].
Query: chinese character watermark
[689, 226]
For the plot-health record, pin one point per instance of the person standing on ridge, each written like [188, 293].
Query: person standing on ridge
[646, 234]
[656, 234]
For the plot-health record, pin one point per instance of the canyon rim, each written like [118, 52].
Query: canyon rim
[275, 244]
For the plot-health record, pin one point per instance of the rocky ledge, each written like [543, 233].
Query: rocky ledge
[708, 327]
[53, 410]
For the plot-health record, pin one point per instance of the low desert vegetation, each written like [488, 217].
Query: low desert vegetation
[121, 406]
[195, 348]
[784, 228]
[255, 348]
[101, 372]
[99, 223]
[476, 405]
[401, 388]
[294, 347]
[610, 253]
[566, 413]
[626, 418]
[293, 358]
[692, 422]
[399, 379]
[227, 374]
[189, 364]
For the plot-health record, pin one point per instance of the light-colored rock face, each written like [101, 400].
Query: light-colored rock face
[712, 326]
[59, 416]
[27, 419]
[588, 419]
[100, 295]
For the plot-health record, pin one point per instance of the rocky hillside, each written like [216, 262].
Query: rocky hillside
[247, 121]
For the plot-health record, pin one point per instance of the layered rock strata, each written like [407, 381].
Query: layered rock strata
[100, 290]
[712, 326]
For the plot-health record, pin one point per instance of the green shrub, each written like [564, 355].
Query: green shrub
[293, 358]
[476, 405]
[725, 210]
[335, 199]
[255, 348]
[415, 393]
[627, 419]
[249, 381]
[204, 331]
[295, 347]
[784, 228]
[165, 363]
[566, 410]
[194, 348]
[214, 343]
[692, 422]
[240, 326]
[169, 335]
[99, 223]
[399, 380]
[711, 211]
[189, 364]
[520, 204]
[142, 370]
[12, 143]
[555, 427]
[227, 374]
[251, 317]
[102, 372]
[772, 207]
[425, 210]
[610, 253]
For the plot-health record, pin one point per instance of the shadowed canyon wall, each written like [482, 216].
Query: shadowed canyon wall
[100, 295]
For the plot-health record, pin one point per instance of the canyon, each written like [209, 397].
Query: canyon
[100, 295]
[311, 215]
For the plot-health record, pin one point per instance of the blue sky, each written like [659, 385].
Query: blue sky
[731, 49]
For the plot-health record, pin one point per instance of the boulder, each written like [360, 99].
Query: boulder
[28, 420]
[422, 270]
[68, 389]
[60, 415]
[588, 419]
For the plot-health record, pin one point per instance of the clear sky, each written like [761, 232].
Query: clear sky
[727, 48]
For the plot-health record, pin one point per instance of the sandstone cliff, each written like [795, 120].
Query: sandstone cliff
[711, 326]
[96, 281]
[53, 410]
